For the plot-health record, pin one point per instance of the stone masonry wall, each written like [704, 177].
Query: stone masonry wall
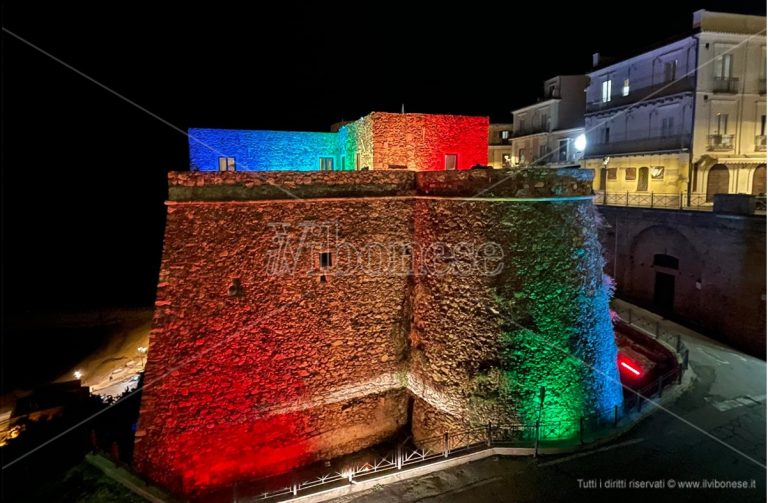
[421, 141]
[226, 374]
[265, 356]
[719, 284]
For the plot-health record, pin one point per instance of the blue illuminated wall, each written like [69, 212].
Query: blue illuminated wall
[262, 150]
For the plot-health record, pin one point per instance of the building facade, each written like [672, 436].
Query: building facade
[380, 140]
[547, 133]
[682, 121]
[500, 153]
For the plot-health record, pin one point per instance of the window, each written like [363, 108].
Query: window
[724, 66]
[325, 260]
[721, 124]
[544, 122]
[226, 164]
[657, 173]
[343, 162]
[326, 164]
[521, 126]
[611, 173]
[625, 88]
[630, 174]
[605, 135]
[551, 90]
[542, 152]
[762, 125]
[606, 90]
[670, 70]
[667, 126]
[451, 160]
[504, 135]
[521, 156]
[506, 160]
[562, 150]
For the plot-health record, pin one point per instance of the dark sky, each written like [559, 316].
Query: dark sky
[83, 172]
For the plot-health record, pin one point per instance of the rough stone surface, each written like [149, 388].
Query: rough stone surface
[719, 282]
[253, 370]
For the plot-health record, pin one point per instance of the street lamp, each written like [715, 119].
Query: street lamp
[78, 374]
[603, 177]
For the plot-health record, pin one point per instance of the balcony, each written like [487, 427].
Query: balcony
[686, 84]
[760, 143]
[716, 142]
[725, 85]
[638, 145]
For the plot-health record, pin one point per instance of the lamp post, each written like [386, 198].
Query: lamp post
[603, 178]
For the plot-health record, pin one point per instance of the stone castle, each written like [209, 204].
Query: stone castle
[490, 279]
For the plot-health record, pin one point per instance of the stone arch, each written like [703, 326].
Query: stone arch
[718, 181]
[758, 180]
[645, 266]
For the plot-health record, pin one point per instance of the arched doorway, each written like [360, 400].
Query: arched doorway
[758, 180]
[642, 179]
[717, 181]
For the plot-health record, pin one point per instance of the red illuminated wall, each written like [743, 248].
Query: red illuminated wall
[294, 370]
[421, 141]
[237, 386]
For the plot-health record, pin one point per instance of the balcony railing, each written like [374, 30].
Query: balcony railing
[760, 142]
[725, 84]
[645, 93]
[719, 142]
[652, 144]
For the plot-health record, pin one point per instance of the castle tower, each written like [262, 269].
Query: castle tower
[296, 328]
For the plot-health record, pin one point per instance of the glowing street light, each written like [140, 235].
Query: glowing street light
[78, 374]
[580, 143]
[141, 349]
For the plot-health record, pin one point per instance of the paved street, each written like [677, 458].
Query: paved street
[726, 401]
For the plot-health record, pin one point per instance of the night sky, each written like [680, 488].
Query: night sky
[83, 172]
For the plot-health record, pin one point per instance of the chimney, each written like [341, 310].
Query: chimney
[595, 60]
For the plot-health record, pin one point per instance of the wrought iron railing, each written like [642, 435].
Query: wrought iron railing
[720, 142]
[677, 201]
[433, 449]
[725, 84]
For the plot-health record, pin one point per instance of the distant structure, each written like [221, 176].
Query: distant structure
[500, 146]
[380, 140]
[686, 119]
[551, 131]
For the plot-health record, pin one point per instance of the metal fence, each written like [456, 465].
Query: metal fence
[677, 201]
[533, 436]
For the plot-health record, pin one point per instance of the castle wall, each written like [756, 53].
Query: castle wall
[265, 356]
[421, 141]
[239, 386]
[261, 150]
[489, 333]
[718, 285]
